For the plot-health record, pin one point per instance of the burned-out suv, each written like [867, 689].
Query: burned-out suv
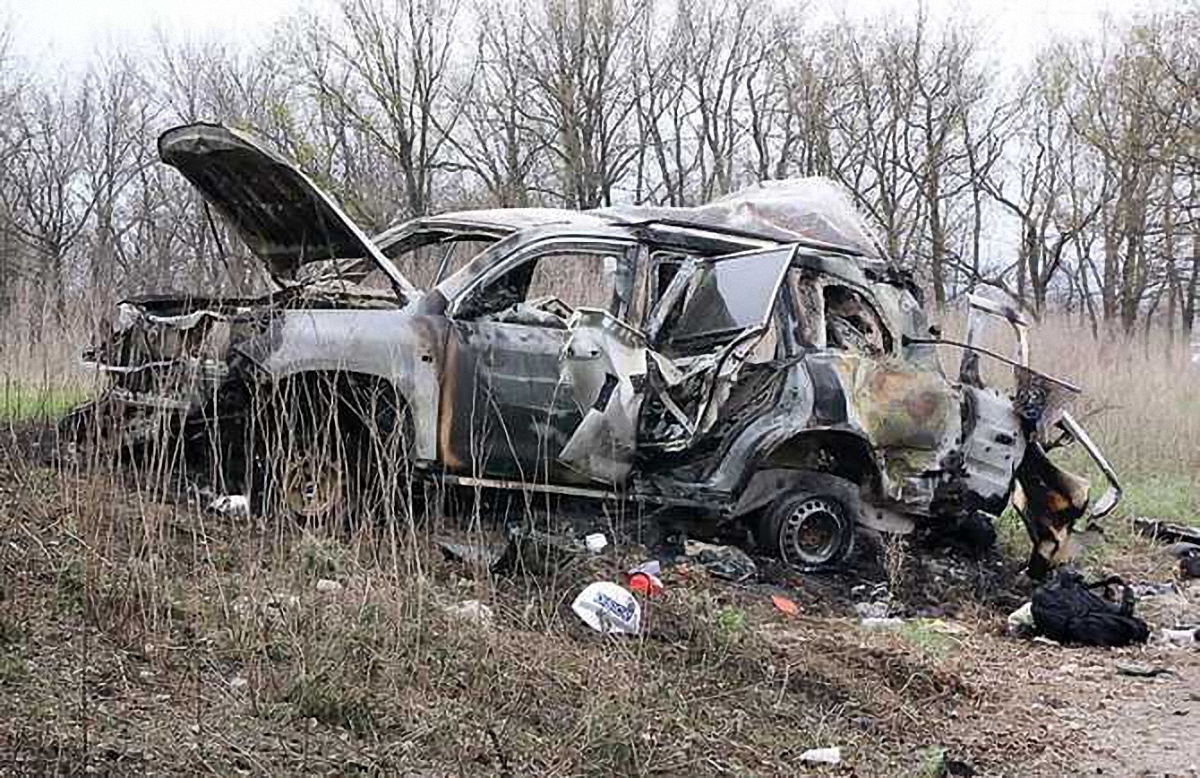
[752, 361]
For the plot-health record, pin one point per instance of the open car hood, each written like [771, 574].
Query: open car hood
[281, 214]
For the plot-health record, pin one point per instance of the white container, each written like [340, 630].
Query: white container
[596, 542]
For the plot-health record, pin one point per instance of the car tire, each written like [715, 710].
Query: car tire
[813, 527]
[326, 453]
[296, 466]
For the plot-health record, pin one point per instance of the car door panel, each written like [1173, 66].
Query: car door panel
[506, 410]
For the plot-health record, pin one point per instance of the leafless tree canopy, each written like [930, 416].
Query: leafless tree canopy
[1071, 181]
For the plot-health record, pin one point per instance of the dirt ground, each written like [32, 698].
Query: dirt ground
[141, 635]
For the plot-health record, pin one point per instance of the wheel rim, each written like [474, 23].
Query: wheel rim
[312, 488]
[813, 532]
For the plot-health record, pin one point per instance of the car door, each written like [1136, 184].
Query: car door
[507, 407]
[711, 328]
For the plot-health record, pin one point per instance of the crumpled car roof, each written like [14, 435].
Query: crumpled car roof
[791, 210]
[795, 209]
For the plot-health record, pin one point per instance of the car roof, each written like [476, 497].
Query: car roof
[504, 221]
[500, 221]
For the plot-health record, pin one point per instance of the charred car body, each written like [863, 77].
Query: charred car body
[754, 361]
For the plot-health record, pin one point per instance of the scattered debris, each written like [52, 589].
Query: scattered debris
[1020, 622]
[1165, 531]
[472, 611]
[644, 579]
[1068, 611]
[651, 567]
[822, 755]
[1152, 589]
[472, 554]
[596, 542]
[237, 682]
[872, 610]
[235, 506]
[327, 586]
[1180, 637]
[727, 562]
[645, 584]
[784, 605]
[607, 608]
[1136, 670]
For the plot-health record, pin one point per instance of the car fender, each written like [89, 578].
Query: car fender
[404, 349]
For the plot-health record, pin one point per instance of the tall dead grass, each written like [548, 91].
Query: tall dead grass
[1140, 400]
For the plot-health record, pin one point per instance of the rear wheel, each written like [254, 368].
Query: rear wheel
[813, 527]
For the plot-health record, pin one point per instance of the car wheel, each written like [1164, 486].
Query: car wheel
[809, 529]
[331, 451]
[298, 461]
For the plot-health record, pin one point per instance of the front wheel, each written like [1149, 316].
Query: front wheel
[812, 527]
[331, 449]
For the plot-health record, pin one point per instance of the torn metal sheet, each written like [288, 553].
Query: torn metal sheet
[605, 363]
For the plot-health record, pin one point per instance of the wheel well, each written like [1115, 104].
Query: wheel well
[356, 391]
[367, 408]
[843, 454]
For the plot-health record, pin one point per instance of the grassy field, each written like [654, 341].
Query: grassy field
[141, 635]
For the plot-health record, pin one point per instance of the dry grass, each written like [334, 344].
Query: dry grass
[146, 637]
[1140, 400]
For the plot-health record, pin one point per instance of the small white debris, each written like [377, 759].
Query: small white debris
[882, 624]
[237, 682]
[822, 755]
[596, 542]
[871, 610]
[1020, 621]
[471, 610]
[327, 586]
[1180, 637]
[233, 505]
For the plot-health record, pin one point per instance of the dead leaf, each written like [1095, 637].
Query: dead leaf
[785, 605]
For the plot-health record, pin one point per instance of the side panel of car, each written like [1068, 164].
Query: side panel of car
[406, 350]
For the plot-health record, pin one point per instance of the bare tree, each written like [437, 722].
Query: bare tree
[388, 70]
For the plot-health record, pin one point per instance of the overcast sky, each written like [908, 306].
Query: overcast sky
[67, 31]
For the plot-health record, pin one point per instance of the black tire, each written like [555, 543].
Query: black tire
[329, 450]
[288, 437]
[812, 527]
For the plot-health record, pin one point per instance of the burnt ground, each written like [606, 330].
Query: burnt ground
[140, 635]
